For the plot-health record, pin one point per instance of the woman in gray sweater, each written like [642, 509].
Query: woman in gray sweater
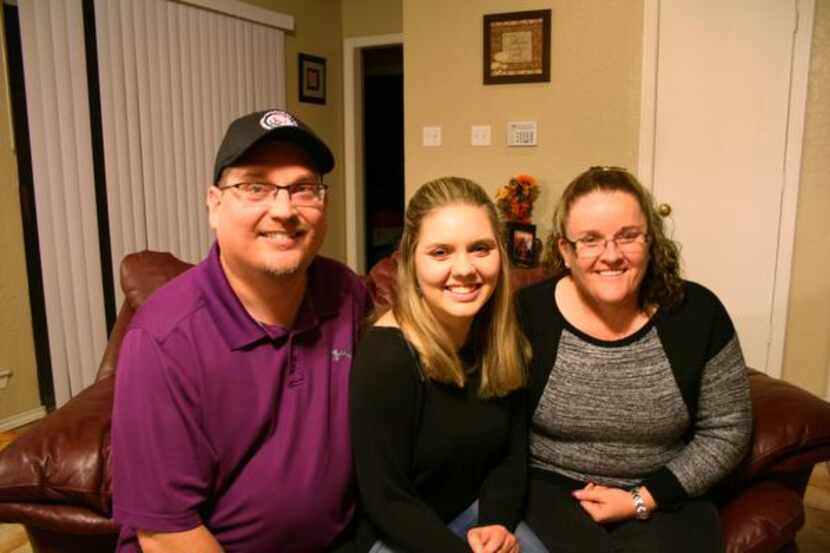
[639, 398]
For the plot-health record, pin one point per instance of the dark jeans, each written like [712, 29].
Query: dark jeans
[564, 527]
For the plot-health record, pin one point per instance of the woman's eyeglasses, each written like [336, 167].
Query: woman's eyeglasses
[591, 246]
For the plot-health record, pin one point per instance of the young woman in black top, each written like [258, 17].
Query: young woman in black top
[437, 402]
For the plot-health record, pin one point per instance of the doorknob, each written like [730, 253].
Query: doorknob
[664, 210]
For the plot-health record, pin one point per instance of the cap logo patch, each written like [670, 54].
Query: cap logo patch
[276, 119]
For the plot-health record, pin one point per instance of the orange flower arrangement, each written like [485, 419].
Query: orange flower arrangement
[515, 200]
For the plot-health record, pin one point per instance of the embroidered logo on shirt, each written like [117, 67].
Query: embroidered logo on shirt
[338, 354]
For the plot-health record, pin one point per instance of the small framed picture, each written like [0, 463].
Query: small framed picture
[312, 78]
[522, 244]
[517, 47]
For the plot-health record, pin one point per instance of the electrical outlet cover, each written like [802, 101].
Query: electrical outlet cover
[432, 136]
[480, 135]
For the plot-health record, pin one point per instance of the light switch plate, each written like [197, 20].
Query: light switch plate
[432, 136]
[480, 135]
[522, 133]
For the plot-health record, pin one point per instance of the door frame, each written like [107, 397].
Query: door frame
[353, 142]
[792, 157]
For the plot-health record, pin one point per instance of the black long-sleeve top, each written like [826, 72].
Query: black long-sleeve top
[424, 451]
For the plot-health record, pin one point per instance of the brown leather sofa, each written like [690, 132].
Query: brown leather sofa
[55, 478]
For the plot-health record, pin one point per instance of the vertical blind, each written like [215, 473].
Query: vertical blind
[171, 78]
[54, 65]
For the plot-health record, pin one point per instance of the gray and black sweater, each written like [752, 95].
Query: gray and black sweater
[667, 407]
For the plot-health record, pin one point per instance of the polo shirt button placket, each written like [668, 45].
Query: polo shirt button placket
[295, 372]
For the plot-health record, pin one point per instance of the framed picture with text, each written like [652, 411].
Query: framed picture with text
[517, 47]
[312, 78]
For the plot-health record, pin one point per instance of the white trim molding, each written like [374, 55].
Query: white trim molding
[803, 38]
[22, 419]
[351, 111]
[648, 92]
[245, 11]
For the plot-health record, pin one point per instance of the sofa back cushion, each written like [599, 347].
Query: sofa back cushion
[142, 274]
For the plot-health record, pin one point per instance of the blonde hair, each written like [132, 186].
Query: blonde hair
[498, 343]
[662, 284]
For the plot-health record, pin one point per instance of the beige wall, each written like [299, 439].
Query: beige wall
[17, 351]
[587, 115]
[807, 350]
[317, 31]
[372, 17]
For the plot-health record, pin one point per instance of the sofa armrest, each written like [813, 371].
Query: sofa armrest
[69, 519]
[791, 429]
[64, 458]
[763, 518]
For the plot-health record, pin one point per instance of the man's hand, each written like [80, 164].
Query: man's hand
[606, 504]
[199, 539]
[492, 539]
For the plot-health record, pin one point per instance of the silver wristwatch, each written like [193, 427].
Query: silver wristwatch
[640, 509]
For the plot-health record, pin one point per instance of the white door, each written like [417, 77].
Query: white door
[722, 76]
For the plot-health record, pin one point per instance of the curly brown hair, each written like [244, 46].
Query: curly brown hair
[662, 284]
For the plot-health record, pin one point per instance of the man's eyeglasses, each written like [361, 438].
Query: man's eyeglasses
[591, 246]
[300, 194]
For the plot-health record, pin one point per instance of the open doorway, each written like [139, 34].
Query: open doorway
[374, 204]
[383, 183]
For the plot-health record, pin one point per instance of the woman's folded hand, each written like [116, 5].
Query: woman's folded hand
[605, 504]
[492, 539]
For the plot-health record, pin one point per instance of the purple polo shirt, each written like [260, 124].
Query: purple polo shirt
[219, 421]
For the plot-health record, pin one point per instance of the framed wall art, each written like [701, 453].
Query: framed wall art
[312, 78]
[517, 47]
[522, 244]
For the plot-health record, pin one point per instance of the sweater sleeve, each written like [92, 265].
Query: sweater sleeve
[502, 493]
[384, 411]
[722, 424]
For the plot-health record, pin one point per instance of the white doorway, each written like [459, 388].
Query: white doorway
[353, 143]
[724, 92]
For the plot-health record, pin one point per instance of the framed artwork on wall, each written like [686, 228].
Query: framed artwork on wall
[522, 243]
[517, 47]
[312, 78]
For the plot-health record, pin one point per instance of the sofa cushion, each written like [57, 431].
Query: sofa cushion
[791, 428]
[144, 272]
[58, 518]
[65, 457]
[762, 519]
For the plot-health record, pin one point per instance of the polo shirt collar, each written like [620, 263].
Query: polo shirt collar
[235, 323]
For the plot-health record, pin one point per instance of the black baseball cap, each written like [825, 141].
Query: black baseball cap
[274, 124]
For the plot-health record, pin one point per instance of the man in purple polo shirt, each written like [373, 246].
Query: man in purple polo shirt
[230, 424]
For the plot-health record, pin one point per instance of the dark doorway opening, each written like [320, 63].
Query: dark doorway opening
[383, 150]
